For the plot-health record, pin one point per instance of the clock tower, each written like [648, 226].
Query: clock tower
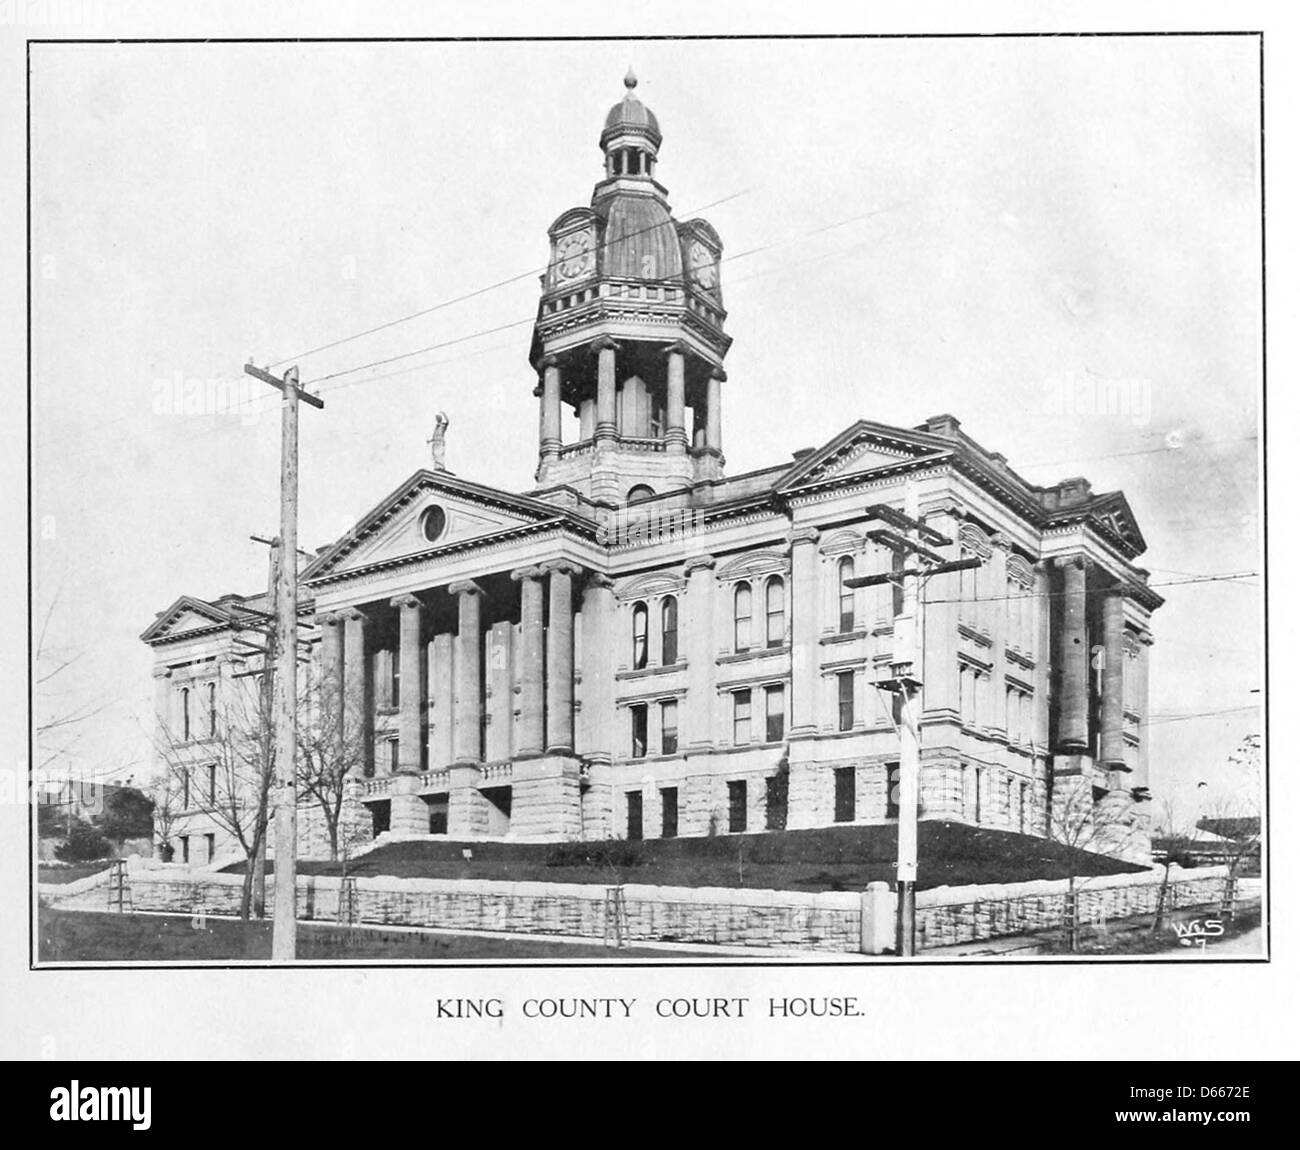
[629, 336]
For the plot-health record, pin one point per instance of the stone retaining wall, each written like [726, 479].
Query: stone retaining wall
[830, 921]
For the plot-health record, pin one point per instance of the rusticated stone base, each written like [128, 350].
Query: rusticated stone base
[467, 808]
[545, 801]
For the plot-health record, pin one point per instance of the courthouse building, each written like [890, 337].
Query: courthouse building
[643, 645]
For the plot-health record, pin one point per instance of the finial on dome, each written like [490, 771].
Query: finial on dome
[629, 81]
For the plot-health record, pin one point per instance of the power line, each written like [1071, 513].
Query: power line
[1096, 590]
[478, 291]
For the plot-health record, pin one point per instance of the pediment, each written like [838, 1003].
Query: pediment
[1113, 515]
[186, 614]
[430, 512]
[862, 448]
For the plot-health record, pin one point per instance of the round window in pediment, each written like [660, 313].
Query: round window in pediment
[433, 523]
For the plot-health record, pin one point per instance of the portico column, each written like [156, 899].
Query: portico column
[551, 441]
[559, 660]
[409, 757]
[331, 709]
[606, 416]
[1072, 725]
[531, 672]
[597, 671]
[713, 429]
[1112, 683]
[356, 714]
[675, 435]
[467, 737]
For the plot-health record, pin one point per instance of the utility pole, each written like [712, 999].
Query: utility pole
[907, 536]
[284, 923]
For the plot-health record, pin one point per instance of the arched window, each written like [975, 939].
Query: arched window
[669, 619]
[775, 611]
[212, 710]
[744, 609]
[639, 492]
[848, 615]
[640, 648]
[185, 714]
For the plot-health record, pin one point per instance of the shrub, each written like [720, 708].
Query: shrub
[84, 842]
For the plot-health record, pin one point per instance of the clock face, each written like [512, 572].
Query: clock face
[574, 256]
[704, 268]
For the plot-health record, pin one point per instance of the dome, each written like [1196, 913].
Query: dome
[640, 240]
[630, 116]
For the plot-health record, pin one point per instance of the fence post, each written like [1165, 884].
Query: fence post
[877, 925]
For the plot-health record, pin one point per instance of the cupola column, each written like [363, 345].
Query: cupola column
[551, 441]
[713, 429]
[606, 416]
[675, 435]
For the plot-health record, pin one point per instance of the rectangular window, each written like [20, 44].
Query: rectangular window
[737, 806]
[185, 848]
[741, 704]
[212, 710]
[891, 790]
[775, 699]
[844, 687]
[668, 727]
[896, 564]
[212, 782]
[1024, 802]
[668, 797]
[777, 806]
[775, 612]
[185, 788]
[640, 714]
[846, 796]
[212, 847]
[394, 756]
[979, 796]
[634, 814]
[669, 611]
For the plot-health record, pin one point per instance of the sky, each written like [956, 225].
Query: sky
[1056, 240]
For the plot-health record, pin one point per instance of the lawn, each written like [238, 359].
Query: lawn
[71, 872]
[93, 936]
[828, 858]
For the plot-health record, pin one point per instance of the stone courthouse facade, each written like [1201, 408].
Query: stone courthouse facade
[644, 646]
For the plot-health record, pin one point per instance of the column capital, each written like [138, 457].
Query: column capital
[550, 359]
[1000, 541]
[596, 581]
[604, 343]
[1076, 561]
[521, 573]
[405, 602]
[162, 672]
[465, 587]
[677, 347]
[354, 615]
[718, 372]
[330, 618]
[700, 563]
[561, 567]
[804, 535]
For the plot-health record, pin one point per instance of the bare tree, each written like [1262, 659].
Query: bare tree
[332, 752]
[1233, 811]
[1111, 825]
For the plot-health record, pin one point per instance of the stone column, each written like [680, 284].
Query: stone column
[675, 435]
[1112, 683]
[1042, 623]
[551, 440]
[356, 700]
[597, 668]
[1072, 725]
[940, 673]
[713, 429]
[804, 564]
[998, 616]
[606, 415]
[467, 814]
[1143, 693]
[531, 677]
[331, 684]
[468, 736]
[409, 756]
[559, 660]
